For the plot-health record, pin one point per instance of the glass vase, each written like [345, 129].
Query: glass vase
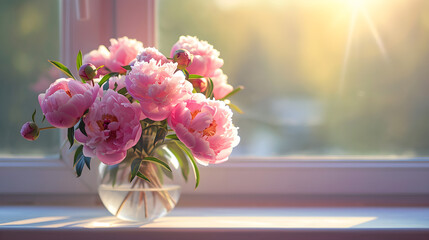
[141, 200]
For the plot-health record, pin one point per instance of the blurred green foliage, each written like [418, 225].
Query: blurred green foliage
[29, 36]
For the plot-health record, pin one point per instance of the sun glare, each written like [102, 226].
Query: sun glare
[355, 3]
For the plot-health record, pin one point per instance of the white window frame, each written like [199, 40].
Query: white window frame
[334, 176]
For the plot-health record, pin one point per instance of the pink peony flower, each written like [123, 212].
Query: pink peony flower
[118, 81]
[122, 52]
[205, 127]
[220, 86]
[206, 58]
[157, 87]
[151, 53]
[66, 100]
[99, 58]
[112, 125]
[30, 131]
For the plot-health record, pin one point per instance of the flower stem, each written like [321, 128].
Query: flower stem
[125, 199]
[50, 127]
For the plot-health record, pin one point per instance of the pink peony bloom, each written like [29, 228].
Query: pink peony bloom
[157, 87]
[30, 131]
[112, 125]
[220, 86]
[205, 127]
[99, 58]
[151, 53]
[117, 82]
[122, 52]
[206, 58]
[66, 100]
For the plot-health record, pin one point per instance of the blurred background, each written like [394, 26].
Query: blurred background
[29, 37]
[331, 77]
[322, 78]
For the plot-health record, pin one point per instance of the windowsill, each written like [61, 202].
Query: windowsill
[46, 222]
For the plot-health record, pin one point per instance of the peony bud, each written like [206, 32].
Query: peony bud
[200, 84]
[30, 131]
[87, 71]
[183, 58]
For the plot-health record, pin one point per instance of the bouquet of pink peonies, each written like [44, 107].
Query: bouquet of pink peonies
[131, 100]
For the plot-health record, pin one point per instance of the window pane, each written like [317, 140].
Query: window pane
[30, 36]
[326, 77]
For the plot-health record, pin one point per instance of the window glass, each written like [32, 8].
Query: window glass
[328, 77]
[29, 37]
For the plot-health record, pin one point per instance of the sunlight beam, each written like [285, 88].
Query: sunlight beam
[261, 222]
[33, 221]
[347, 53]
[375, 34]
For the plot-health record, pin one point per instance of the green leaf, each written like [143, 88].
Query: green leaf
[194, 163]
[106, 86]
[235, 108]
[140, 175]
[163, 171]
[70, 136]
[32, 116]
[156, 160]
[79, 167]
[43, 119]
[160, 135]
[113, 170]
[81, 127]
[106, 77]
[80, 161]
[186, 73]
[87, 161]
[209, 90]
[63, 68]
[78, 60]
[181, 158]
[77, 154]
[135, 166]
[195, 76]
[139, 144]
[122, 91]
[115, 86]
[238, 89]
[172, 136]
[127, 67]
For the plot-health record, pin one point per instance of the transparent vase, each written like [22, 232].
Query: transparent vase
[141, 200]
